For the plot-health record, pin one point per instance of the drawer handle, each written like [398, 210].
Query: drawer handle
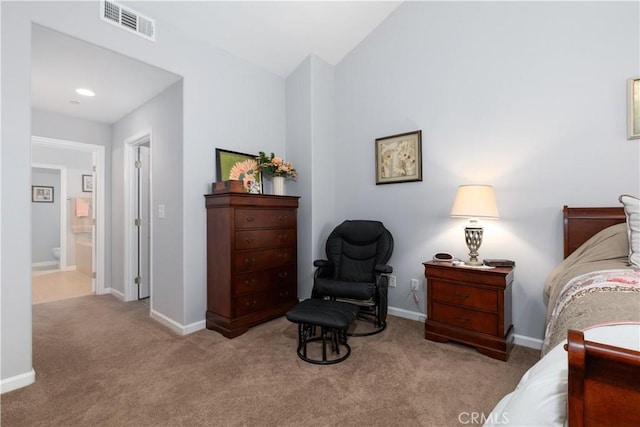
[249, 260]
[250, 282]
[283, 236]
[284, 293]
[249, 218]
[459, 295]
[462, 319]
[251, 303]
[250, 239]
[281, 218]
[283, 275]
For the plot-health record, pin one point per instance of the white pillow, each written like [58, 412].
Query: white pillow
[632, 210]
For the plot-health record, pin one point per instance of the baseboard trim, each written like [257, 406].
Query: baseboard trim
[522, 340]
[525, 341]
[18, 381]
[176, 327]
[406, 314]
[116, 293]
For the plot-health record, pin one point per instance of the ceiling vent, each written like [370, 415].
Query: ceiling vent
[125, 17]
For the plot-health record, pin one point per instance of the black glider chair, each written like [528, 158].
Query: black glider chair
[356, 270]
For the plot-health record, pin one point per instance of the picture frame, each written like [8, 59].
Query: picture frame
[633, 108]
[399, 158]
[233, 165]
[87, 183]
[42, 194]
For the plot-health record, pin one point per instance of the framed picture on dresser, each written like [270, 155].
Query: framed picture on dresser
[232, 165]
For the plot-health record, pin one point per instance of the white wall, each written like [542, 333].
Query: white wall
[310, 146]
[528, 97]
[162, 116]
[228, 103]
[45, 220]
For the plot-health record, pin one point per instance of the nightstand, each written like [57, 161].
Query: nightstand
[470, 306]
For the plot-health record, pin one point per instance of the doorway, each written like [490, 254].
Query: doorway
[138, 253]
[71, 157]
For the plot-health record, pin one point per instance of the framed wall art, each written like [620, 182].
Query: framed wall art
[231, 165]
[633, 108]
[399, 158]
[87, 183]
[41, 194]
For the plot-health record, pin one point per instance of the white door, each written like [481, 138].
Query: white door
[143, 223]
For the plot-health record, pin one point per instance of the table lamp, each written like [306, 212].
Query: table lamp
[473, 202]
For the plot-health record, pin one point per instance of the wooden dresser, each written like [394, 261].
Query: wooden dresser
[470, 306]
[251, 259]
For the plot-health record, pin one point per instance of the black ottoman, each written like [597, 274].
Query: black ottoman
[332, 317]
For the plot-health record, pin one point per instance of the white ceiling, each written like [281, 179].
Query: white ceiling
[277, 36]
[60, 64]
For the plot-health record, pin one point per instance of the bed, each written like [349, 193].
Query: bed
[590, 370]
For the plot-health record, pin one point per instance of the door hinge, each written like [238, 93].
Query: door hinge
[138, 222]
[137, 280]
[138, 164]
[94, 275]
[94, 168]
[93, 221]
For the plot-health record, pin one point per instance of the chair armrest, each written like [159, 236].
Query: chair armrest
[321, 263]
[383, 268]
[324, 268]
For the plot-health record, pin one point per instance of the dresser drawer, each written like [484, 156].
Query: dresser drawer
[262, 218]
[265, 259]
[258, 239]
[486, 323]
[261, 280]
[260, 301]
[484, 299]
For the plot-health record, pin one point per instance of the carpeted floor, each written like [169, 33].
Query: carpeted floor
[101, 362]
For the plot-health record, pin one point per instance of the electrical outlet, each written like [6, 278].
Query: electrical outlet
[415, 285]
[392, 281]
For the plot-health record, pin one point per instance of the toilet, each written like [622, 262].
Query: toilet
[56, 253]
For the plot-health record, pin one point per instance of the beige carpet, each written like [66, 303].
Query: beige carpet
[57, 285]
[101, 362]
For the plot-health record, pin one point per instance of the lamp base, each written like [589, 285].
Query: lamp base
[473, 238]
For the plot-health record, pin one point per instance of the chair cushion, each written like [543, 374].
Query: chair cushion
[325, 313]
[343, 289]
[355, 247]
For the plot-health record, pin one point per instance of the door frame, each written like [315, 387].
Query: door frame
[98, 251]
[130, 250]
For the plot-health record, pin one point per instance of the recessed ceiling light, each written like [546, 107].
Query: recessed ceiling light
[85, 92]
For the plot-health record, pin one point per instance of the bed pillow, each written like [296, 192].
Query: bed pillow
[632, 210]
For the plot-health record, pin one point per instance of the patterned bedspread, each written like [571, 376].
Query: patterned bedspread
[594, 298]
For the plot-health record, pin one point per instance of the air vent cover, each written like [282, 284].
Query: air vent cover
[128, 19]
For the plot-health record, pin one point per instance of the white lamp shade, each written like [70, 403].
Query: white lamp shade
[475, 201]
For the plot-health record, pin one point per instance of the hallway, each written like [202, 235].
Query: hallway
[54, 285]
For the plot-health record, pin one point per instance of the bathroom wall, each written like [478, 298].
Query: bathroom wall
[45, 218]
[76, 164]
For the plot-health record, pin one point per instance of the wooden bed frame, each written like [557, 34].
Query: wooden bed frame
[604, 381]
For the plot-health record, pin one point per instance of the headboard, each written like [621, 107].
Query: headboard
[582, 223]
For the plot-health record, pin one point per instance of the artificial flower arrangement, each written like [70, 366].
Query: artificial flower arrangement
[275, 166]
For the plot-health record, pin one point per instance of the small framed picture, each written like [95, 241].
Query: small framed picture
[399, 158]
[633, 108]
[41, 194]
[231, 165]
[87, 183]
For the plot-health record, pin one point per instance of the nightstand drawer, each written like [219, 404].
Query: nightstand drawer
[486, 323]
[483, 299]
